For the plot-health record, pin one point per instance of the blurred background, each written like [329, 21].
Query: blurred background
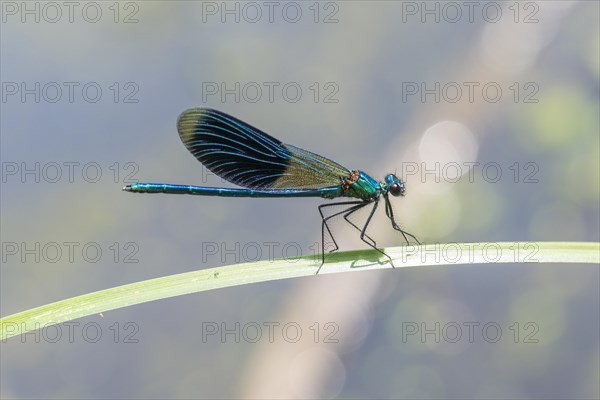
[489, 111]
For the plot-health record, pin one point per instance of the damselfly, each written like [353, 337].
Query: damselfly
[266, 167]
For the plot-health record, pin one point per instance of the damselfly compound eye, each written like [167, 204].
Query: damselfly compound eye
[397, 189]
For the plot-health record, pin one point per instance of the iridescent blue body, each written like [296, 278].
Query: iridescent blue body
[328, 193]
[365, 188]
[266, 167]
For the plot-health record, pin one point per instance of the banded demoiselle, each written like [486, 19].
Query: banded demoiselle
[266, 167]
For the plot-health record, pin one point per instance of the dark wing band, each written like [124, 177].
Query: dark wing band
[249, 157]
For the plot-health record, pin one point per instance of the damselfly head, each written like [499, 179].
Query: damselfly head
[395, 186]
